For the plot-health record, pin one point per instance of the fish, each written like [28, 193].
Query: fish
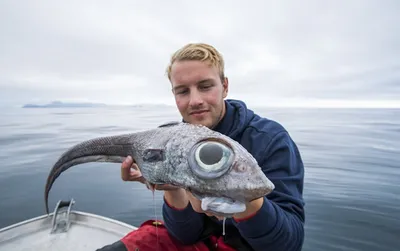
[213, 167]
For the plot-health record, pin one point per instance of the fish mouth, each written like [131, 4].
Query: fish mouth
[220, 206]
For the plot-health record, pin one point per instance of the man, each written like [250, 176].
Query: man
[275, 222]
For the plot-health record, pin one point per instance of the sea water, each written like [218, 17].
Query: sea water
[351, 158]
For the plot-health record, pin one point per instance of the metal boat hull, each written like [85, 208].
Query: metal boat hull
[85, 231]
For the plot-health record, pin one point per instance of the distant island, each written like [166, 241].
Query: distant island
[59, 104]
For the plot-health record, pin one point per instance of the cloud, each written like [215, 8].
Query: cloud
[117, 51]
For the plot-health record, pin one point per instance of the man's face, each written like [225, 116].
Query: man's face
[199, 92]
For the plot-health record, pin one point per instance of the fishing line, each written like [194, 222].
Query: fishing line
[155, 214]
[223, 226]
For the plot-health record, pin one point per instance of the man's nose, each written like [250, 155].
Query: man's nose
[195, 99]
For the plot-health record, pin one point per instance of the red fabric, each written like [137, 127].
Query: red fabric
[153, 236]
[220, 245]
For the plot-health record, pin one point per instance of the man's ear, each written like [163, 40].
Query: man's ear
[225, 86]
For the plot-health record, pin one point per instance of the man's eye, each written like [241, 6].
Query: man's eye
[182, 92]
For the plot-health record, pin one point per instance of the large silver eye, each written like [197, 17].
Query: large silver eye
[210, 159]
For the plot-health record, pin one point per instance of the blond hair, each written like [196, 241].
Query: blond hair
[198, 51]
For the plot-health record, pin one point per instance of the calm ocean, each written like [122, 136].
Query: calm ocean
[351, 156]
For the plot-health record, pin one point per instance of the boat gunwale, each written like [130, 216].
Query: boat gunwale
[76, 212]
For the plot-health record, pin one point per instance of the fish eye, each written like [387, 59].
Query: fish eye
[210, 155]
[211, 159]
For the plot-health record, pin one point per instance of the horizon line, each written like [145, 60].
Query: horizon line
[274, 103]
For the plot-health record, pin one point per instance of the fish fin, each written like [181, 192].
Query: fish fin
[150, 186]
[153, 155]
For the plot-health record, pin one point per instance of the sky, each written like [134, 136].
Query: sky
[277, 53]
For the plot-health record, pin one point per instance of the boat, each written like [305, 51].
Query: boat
[63, 229]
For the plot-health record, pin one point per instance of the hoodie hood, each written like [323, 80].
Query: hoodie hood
[236, 118]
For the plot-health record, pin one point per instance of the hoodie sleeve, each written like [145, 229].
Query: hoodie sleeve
[184, 224]
[278, 225]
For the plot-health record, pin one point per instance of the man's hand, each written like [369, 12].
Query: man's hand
[251, 209]
[130, 171]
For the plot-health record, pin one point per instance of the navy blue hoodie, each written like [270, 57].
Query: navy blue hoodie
[278, 225]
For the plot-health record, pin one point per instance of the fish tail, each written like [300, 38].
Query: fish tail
[112, 149]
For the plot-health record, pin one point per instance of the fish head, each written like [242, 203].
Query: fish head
[222, 166]
[218, 171]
